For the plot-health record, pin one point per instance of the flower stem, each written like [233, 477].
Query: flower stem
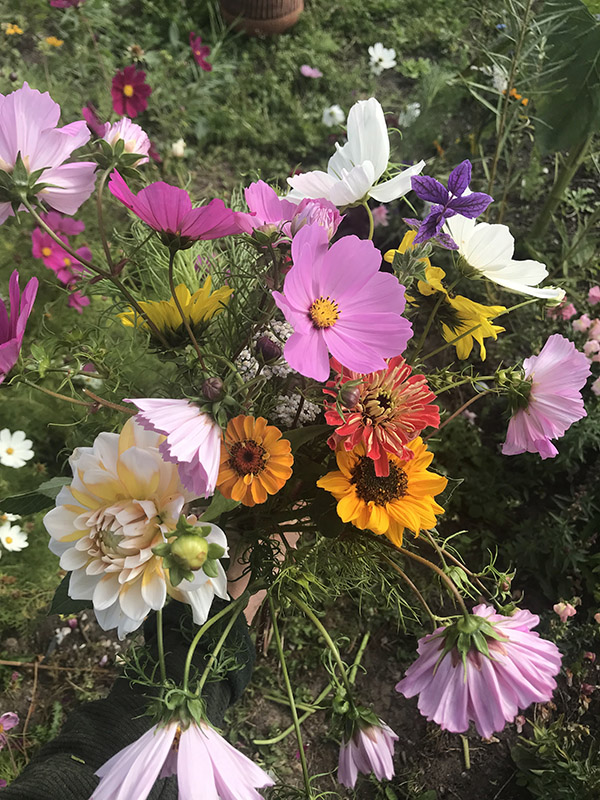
[161, 646]
[457, 412]
[58, 396]
[100, 214]
[371, 220]
[108, 404]
[449, 583]
[217, 649]
[184, 319]
[290, 694]
[445, 554]
[413, 588]
[427, 328]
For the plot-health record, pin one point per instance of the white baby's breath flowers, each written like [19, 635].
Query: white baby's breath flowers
[333, 115]
[178, 148]
[381, 58]
[410, 114]
[12, 537]
[15, 449]
[286, 410]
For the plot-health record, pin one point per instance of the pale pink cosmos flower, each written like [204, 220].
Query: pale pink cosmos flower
[556, 375]
[582, 324]
[488, 691]
[310, 72]
[134, 137]
[338, 302]
[193, 440]
[596, 387]
[380, 217]
[28, 125]
[594, 295]
[564, 610]
[568, 312]
[12, 326]
[203, 761]
[369, 750]
[7, 721]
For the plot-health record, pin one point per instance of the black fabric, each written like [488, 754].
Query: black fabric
[64, 768]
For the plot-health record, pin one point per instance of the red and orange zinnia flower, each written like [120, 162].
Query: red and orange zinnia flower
[255, 460]
[390, 408]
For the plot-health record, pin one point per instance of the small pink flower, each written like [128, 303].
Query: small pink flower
[594, 295]
[556, 375]
[488, 691]
[93, 121]
[520, 723]
[568, 312]
[3, 783]
[193, 440]
[61, 224]
[66, 3]
[130, 91]
[12, 326]
[596, 387]
[45, 248]
[582, 324]
[369, 750]
[200, 52]
[587, 689]
[380, 217]
[310, 72]
[135, 139]
[594, 330]
[7, 721]
[197, 750]
[591, 347]
[597, 617]
[590, 656]
[78, 301]
[564, 611]
[338, 302]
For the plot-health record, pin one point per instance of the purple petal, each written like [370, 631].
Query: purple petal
[427, 188]
[472, 205]
[460, 178]
[430, 227]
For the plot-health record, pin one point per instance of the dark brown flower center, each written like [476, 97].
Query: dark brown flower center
[371, 488]
[247, 457]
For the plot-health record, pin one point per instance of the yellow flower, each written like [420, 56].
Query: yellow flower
[199, 308]
[11, 28]
[386, 505]
[54, 42]
[255, 460]
[457, 314]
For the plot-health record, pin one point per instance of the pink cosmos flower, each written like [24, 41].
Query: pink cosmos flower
[582, 324]
[337, 301]
[196, 753]
[66, 3]
[130, 92]
[310, 72]
[556, 376]
[488, 691]
[370, 749]
[7, 721]
[594, 295]
[135, 139]
[93, 121]
[28, 125]
[564, 610]
[596, 387]
[168, 210]
[193, 440]
[380, 217]
[61, 224]
[45, 248]
[200, 52]
[12, 327]
[78, 301]
[568, 312]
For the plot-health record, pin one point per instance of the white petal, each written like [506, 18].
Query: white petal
[397, 186]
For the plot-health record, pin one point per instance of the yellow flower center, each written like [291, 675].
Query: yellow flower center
[371, 488]
[128, 90]
[10, 451]
[67, 262]
[248, 457]
[46, 251]
[9, 540]
[324, 312]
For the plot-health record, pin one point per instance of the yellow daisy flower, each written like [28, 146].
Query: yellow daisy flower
[387, 505]
[12, 29]
[199, 308]
[54, 42]
[255, 460]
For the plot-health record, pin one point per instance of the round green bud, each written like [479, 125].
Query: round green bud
[190, 550]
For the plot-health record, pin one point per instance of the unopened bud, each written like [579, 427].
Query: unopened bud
[349, 396]
[191, 550]
[13, 76]
[268, 349]
[212, 388]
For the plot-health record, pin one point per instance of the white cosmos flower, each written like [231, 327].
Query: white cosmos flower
[354, 169]
[15, 449]
[12, 537]
[123, 501]
[178, 148]
[381, 58]
[333, 115]
[489, 249]
[411, 113]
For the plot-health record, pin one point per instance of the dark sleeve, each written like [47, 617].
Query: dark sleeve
[64, 768]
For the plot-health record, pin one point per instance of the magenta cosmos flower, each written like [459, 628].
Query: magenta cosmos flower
[130, 92]
[28, 126]
[200, 52]
[12, 327]
[554, 402]
[490, 690]
[310, 72]
[193, 440]
[198, 755]
[338, 302]
[370, 749]
[168, 210]
[61, 224]
[78, 301]
[67, 268]
[66, 3]
[7, 722]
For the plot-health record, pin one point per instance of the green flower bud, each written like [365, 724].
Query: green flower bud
[191, 550]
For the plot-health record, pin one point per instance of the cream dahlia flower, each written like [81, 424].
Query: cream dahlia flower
[123, 501]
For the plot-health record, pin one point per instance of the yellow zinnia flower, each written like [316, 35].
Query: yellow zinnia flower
[54, 42]
[456, 314]
[199, 308]
[386, 505]
[11, 28]
[255, 460]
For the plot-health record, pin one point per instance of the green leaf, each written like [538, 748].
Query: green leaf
[63, 604]
[299, 436]
[218, 505]
[32, 502]
[210, 568]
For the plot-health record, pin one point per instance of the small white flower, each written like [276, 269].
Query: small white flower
[15, 449]
[178, 148]
[12, 537]
[409, 115]
[333, 115]
[8, 517]
[381, 58]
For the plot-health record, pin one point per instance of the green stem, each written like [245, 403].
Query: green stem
[100, 215]
[457, 412]
[371, 220]
[470, 379]
[442, 296]
[218, 647]
[290, 694]
[303, 718]
[412, 587]
[161, 646]
[449, 583]
[58, 396]
[358, 659]
[184, 318]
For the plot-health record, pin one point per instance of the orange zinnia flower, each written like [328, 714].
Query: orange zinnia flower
[255, 460]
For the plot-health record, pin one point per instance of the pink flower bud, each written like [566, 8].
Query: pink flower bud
[594, 295]
[564, 611]
[582, 324]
